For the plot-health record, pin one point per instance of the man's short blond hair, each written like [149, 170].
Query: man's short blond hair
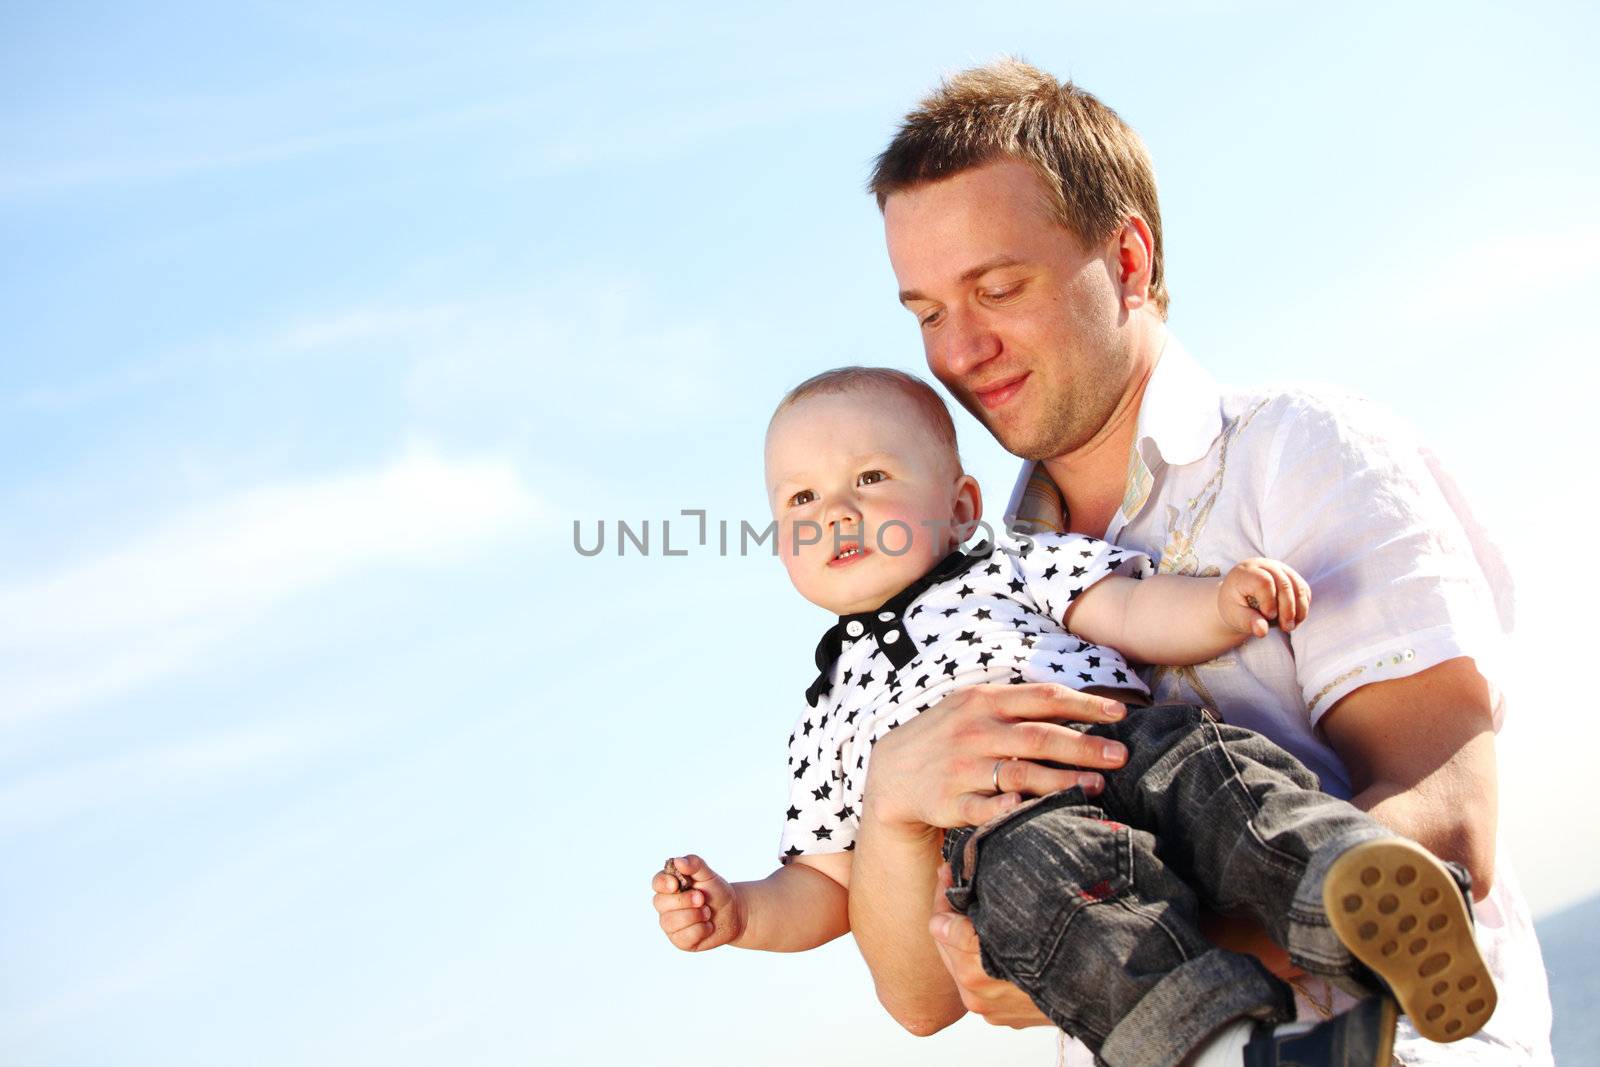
[1095, 167]
[929, 404]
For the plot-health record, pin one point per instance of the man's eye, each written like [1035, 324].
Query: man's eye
[1003, 292]
[871, 477]
[931, 318]
[802, 498]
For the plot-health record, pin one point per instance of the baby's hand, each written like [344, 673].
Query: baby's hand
[698, 908]
[1258, 592]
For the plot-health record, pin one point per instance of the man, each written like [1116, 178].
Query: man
[1025, 233]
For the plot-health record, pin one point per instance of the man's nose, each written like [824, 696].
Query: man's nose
[966, 343]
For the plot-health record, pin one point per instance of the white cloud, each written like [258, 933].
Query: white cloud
[594, 365]
[52, 795]
[357, 325]
[142, 610]
[194, 142]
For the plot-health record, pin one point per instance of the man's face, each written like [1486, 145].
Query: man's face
[865, 498]
[1018, 319]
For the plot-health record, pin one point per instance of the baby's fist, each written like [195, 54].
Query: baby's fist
[1258, 592]
[697, 906]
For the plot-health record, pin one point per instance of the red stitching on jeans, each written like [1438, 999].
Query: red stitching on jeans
[1099, 891]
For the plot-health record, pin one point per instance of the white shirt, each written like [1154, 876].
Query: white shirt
[1402, 578]
[989, 618]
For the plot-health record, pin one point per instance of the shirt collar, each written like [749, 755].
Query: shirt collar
[884, 623]
[1180, 417]
[1181, 414]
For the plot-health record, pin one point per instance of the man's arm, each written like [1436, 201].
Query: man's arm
[892, 888]
[1420, 754]
[937, 771]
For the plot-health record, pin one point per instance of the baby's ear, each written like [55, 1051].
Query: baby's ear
[968, 507]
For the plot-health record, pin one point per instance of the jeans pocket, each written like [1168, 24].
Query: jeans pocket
[1034, 874]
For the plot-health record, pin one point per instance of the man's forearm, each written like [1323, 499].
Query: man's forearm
[1420, 752]
[936, 770]
[892, 884]
[1452, 813]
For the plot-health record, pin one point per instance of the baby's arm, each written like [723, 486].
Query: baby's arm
[798, 906]
[1178, 620]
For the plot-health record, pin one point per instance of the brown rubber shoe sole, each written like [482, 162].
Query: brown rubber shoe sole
[1398, 910]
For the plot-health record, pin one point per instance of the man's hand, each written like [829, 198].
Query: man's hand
[939, 770]
[705, 915]
[1258, 592]
[1000, 1003]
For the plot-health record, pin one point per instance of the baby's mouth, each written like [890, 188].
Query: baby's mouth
[848, 554]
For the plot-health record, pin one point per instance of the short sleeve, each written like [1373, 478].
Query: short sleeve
[1055, 569]
[819, 817]
[1396, 564]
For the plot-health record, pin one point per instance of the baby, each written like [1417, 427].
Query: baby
[872, 507]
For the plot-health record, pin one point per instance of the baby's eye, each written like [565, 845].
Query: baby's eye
[871, 477]
[802, 498]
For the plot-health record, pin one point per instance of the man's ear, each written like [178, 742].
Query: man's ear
[1134, 246]
[968, 509]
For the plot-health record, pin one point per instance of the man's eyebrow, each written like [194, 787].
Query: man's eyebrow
[971, 274]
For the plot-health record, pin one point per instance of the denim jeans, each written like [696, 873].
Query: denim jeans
[1091, 906]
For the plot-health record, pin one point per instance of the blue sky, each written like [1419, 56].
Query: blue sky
[318, 741]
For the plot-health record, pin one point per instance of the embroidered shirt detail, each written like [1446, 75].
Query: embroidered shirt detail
[1042, 510]
[1140, 482]
[1353, 672]
[1178, 556]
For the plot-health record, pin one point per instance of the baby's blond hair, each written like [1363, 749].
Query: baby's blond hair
[929, 404]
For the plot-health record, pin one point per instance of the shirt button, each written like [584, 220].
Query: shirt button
[854, 628]
[885, 616]
[891, 637]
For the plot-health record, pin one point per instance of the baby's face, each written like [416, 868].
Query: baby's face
[866, 498]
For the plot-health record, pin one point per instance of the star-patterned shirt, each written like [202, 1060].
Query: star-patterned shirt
[992, 615]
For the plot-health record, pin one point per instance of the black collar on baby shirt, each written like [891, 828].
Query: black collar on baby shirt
[884, 624]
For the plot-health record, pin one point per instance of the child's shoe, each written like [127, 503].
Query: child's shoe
[1361, 1037]
[1400, 911]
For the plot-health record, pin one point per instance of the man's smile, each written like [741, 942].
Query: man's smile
[993, 396]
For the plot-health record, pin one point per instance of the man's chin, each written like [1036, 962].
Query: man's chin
[1011, 432]
[1025, 446]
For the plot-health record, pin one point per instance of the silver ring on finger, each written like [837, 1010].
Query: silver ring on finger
[997, 765]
